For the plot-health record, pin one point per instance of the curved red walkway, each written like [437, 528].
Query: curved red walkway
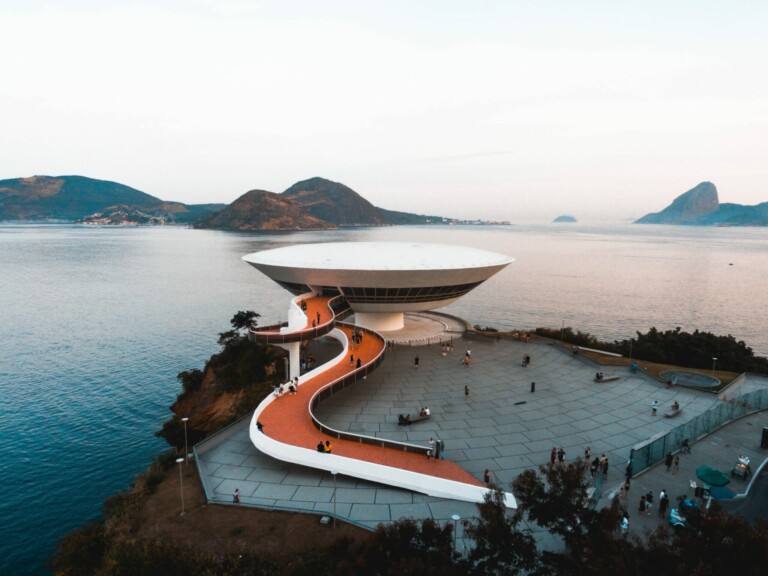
[288, 419]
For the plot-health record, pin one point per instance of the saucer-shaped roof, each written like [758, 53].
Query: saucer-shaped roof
[381, 276]
[377, 256]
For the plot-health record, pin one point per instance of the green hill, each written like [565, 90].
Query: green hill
[77, 198]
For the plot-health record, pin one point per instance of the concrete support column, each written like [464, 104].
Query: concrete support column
[380, 321]
[294, 358]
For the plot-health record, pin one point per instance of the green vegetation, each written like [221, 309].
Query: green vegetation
[691, 350]
[241, 367]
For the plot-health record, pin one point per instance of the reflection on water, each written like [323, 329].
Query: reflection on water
[96, 322]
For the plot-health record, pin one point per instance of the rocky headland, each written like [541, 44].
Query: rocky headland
[700, 206]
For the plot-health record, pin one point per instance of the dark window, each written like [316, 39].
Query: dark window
[358, 295]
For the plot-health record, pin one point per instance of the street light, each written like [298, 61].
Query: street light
[714, 360]
[181, 484]
[186, 450]
[455, 519]
[334, 497]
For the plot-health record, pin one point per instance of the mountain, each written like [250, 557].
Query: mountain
[699, 201]
[262, 210]
[337, 203]
[74, 198]
[333, 202]
[64, 197]
[565, 218]
[700, 206]
[316, 204]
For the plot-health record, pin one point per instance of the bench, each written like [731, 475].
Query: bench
[607, 378]
[401, 419]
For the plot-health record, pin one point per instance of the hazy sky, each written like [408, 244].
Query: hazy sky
[505, 110]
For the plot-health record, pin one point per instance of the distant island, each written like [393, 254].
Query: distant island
[700, 206]
[565, 218]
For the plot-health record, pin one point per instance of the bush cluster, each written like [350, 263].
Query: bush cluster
[688, 349]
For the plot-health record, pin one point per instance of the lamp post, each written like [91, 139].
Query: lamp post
[455, 519]
[186, 450]
[714, 361]
[181, 484]
[333, 472]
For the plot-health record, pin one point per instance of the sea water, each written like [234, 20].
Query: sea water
[95, 323]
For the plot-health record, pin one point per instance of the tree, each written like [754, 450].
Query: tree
[244, 319]
[409, 547]
[556, 499]
[501, 547]
[715, 543]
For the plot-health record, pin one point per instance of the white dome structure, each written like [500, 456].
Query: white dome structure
[381, 280]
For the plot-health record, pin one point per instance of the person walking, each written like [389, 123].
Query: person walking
[416, 362]
[641, 506]
[487, 477]
[442, 449]
[624, 524]
[587, 454]
[605, 468]
[431, 450]
[649, 502]
[676, 465]
[668, 461]
[561, 456]
[236, 496]
[594, 467]
[654, 407]
[466, 391]
[553, 456]
[663, 505]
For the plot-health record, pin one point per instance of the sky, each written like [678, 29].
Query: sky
[503, 110]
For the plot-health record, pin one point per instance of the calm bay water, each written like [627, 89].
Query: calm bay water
[95, 323]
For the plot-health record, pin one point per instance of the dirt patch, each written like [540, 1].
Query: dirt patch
[223, 529]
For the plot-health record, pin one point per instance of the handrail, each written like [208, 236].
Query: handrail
[263, 335]
[360, 468]
[346, 380]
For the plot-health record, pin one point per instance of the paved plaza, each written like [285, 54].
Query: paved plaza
[501, 425]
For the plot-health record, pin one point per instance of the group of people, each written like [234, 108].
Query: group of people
[672, 463]
[436, 449]
[326, 448]
[599, 465]
[557, 456]
[291, 386]
[357, 336]
[598, 376]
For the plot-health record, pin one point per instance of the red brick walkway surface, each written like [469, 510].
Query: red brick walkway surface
[287, 419]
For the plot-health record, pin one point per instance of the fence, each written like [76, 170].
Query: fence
[651, 452]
